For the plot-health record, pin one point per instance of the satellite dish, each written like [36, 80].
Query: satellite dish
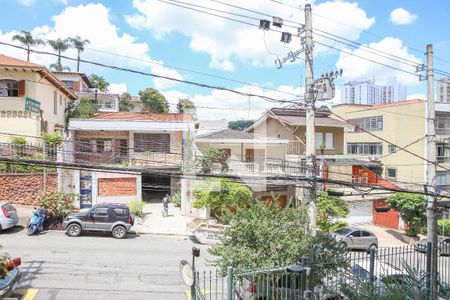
[186, 272]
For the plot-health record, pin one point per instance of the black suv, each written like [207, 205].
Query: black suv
[106, 217]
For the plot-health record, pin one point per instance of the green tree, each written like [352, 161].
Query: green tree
[184, 105]
[19, 144]
[240, 124]
[99, 82]
[153, 101]
[85, 109]
[329, 207]
[221, 195]
[26, 39]
[79, 44]
[211, 155]
[52, 141]
[263, 236]
[412, 208]
[60, 46]
[125, 103]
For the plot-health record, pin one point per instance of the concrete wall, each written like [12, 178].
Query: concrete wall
[25, 189]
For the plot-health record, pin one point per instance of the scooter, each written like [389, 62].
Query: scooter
[36, 222]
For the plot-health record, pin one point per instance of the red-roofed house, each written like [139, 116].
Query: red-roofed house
[154, 144]
[32, 99]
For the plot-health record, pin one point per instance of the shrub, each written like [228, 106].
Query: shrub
[412, 208]
[137, 208]
[443, 227]
[176, 199]
[17, 140]
[58, 205]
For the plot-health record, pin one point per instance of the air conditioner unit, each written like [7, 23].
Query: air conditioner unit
[374, 157]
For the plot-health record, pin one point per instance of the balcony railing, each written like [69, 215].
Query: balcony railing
[264, 168]
[443, 159]
[443, 131]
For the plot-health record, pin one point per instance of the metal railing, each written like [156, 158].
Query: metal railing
[379, 271]
[263, 168]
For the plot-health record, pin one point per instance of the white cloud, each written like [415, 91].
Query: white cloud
[104, 37]
[416, 96]
[357, 68]
[117, 88]
[401, 16]
[218, 104]
[227, 41]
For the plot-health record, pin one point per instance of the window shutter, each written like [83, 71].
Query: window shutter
[21, 88]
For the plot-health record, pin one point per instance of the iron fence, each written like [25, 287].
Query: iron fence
[375, 272]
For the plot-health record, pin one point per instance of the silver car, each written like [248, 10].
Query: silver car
[355, 238]
[8, 216]
[443, 245]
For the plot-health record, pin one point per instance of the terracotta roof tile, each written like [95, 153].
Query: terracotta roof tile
[143, 116]
[14, 62]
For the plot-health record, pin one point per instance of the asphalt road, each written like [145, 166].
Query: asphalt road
[96, 266]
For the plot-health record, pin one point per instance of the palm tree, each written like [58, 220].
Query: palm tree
[58, 67]
[27, 40]
[79, 44]
[59, 45]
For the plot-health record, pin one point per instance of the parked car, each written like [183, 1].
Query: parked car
[355, 238]
[443, 245]
[8, 216]
[105, 217]
[9, 277]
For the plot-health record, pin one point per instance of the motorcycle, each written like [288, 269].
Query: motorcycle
[36, 222]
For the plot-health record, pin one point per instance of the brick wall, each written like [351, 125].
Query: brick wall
[117, 187]
[25, 189]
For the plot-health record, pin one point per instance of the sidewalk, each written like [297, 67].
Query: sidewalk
[154, 223]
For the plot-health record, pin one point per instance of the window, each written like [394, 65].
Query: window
[100, 211]
[9, 88]
[442, 178]
[68, 84]
[153, 142]
[365, 233]
[319, 140]
[367, 124]
[55, 103]
[365, 148]
[442, 123]
[443, 152]
[329, 140]
[226, 152]
[104, 145]
[356, 233]
[392, 173]
[392, 148]
[85, 145]
[120, 212]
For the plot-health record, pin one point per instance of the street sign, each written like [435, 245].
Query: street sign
[32, 105]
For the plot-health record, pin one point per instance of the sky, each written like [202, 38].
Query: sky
[177, 39]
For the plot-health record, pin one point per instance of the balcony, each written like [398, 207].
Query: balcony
[264, 168]
[443, 159]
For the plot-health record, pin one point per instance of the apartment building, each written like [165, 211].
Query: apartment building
[443, 90]
[403, 124]
[367, 92]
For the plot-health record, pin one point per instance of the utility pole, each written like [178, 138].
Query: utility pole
[310, 193]
[431, 175]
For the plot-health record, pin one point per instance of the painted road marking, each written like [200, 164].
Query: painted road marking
[202, 292]
[26, 294]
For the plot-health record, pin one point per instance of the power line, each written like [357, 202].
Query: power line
[203, 85]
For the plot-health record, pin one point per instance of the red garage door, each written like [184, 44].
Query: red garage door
[384, 216]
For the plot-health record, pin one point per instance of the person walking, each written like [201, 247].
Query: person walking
[165, 203]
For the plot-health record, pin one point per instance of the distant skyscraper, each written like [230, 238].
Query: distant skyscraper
[369, 93]
[443, 90]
